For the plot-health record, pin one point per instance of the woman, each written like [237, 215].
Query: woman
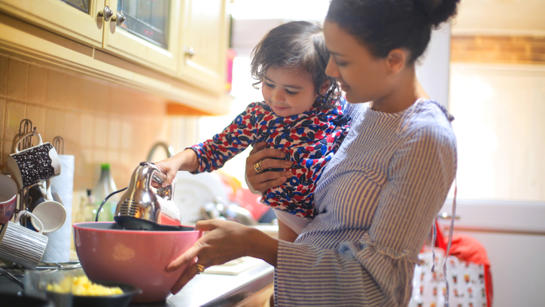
[377, 198]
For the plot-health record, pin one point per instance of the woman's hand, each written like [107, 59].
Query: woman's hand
[268, 158]
[222, 241]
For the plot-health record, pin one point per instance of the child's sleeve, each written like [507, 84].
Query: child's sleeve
[237, 136]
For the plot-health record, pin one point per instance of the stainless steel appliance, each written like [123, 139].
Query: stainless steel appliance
[141, 206]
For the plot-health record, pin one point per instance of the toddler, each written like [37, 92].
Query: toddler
[301, 114]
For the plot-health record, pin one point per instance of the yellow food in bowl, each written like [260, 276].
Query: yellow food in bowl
[82, 286]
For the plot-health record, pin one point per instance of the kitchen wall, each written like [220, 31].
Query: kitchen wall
[504, 49]
[99, 121]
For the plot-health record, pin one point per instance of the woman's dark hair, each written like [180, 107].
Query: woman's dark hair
[296, 44]
[383, 25]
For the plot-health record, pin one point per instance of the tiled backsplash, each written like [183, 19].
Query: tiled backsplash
[99, 121]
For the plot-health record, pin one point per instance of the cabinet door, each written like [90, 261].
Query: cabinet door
[76, 19]
[204, 43]
[148, 34]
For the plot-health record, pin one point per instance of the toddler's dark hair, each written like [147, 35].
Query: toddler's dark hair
[296, 44]
[383, 25]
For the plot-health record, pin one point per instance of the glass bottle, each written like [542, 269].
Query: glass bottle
[103, 188]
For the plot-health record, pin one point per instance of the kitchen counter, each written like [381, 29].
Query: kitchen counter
[221, 285]
[206, 289]
[220, 289]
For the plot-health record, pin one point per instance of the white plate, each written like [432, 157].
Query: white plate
[191, 192]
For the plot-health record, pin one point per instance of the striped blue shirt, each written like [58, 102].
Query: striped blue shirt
[376, 201]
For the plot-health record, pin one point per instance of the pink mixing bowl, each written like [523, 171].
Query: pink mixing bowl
[135, 257]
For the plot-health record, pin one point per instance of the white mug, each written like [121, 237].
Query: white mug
[22, 245]
[50, 212]
[33, 164]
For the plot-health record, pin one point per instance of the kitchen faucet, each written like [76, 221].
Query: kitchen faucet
[168, 149]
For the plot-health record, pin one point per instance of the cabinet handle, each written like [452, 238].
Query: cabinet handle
[119, 18]
[189, 52]
[106, 13]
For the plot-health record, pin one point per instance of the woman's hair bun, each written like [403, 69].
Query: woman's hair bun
[437, 11]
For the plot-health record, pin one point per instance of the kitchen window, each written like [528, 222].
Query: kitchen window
[500, 130]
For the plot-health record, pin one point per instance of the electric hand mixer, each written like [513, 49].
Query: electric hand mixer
[142, 208]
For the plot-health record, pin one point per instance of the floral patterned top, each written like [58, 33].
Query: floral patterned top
[309, 139]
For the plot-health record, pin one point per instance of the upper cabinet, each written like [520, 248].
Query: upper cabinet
[183, 39]
[70, 18]
[145, 31]
[204, 43]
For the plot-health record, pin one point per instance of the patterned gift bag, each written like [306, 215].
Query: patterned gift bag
[466, 282]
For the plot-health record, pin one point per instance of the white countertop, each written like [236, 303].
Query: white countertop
[208, 288]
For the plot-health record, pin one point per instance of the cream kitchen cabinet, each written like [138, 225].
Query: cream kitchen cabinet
[146, 32]
[183, 39]
[77, 23]
[204, 43]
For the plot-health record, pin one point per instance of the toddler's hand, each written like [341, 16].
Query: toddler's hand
[169, 167]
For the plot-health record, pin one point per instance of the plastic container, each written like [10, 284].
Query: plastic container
[103, 188]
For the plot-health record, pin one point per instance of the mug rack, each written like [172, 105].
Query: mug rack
[21, 141]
